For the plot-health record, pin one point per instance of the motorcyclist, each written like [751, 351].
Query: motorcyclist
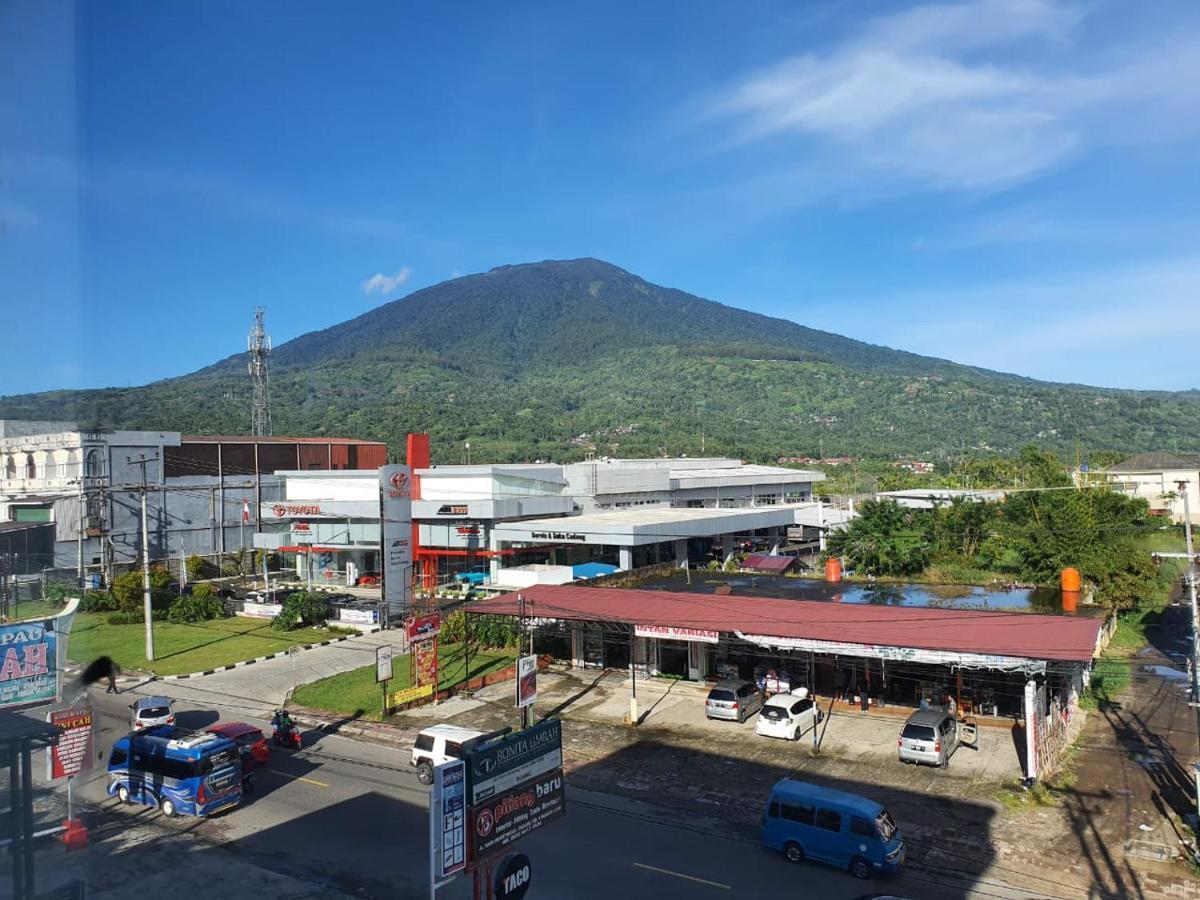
[283, 723]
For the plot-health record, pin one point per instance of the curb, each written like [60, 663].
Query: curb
[258, 659]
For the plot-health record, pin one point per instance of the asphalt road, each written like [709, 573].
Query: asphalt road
[351, 815]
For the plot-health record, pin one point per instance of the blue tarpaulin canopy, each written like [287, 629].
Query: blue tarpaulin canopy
[592, 570]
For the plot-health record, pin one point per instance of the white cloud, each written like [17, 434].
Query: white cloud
[930, 97]
[385, 284]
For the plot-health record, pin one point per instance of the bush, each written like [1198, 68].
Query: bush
[97, 601]
[302, 608]
[195, 609]
[198, 567]
[126, 617]
[127, 590]
[454, 627]
[204, 590]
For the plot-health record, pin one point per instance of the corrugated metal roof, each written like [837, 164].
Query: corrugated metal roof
[1028, 636]
[763, 562]
[1157, 462]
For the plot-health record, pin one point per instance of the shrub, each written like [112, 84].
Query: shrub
[125, 617]
[195, 609]
[127, 590]
[454, 627]
[204, 590]
[302, 608]
[198, 567]
[97, 601]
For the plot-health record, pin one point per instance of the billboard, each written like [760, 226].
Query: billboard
[526, 680]
[501, 765]
[73, 752]
[383, 663]
[423, 627]
[503, 820]
[29, 662]
[395, 535]
[448, 806]
[425, 653]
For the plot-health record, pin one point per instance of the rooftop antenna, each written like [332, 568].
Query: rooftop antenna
[258, 346]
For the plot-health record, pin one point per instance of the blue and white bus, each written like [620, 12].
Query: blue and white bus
[181, 772]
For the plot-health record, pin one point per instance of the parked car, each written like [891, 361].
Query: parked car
[180, 772]
[806, 821]
[441, 743]
[252, 745]
[733, 700]
[932, 735]
[788, 716]
[148, 711]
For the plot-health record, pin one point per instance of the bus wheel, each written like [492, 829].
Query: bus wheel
[123, 794]
[167, 807]
[860, 868]
[793, 852]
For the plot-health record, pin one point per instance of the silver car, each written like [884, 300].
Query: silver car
[733, 700]
[932, 735]
[149, 711]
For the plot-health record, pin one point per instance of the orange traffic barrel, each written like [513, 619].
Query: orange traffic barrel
[833, 569]
[1070, 601]
[1070, 580]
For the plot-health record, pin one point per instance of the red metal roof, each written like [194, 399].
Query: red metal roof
[1025, 635]
[762, 562]
[271, 439]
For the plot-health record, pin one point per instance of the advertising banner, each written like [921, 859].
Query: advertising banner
[28, 663]
[73, 753]
[423, 627]
[449, 808]
[425, 655]
[508, 762]
[526, 680]
[503, 820]
[408, 695]
[395, 496]
[677, 634]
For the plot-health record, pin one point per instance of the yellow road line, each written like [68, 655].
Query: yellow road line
[715, 884]
[298, 778]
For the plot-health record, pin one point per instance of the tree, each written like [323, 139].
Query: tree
[885, 539]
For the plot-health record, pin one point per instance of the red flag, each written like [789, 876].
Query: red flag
[245, 510]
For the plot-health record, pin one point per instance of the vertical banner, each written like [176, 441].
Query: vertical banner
[526, 680]
[395, 536]
[29, 662]
[73, 753]
[426, 655]
[447, 808]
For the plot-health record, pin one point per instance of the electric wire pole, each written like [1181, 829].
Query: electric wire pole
[1191, 582]
[146, 607]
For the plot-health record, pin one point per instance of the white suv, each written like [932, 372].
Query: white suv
[439, 744]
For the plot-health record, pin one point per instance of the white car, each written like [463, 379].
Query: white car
[441, 743]
[788, 716]
[147, 712]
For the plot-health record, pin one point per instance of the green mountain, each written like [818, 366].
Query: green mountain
[558, 358]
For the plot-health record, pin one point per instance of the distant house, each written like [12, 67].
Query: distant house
[1155, 478]
[929, 498]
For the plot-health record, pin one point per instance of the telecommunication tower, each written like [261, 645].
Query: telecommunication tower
[258, 346]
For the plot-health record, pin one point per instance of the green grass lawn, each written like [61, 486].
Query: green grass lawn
[182, 648]
[36, 609]
[357, 692]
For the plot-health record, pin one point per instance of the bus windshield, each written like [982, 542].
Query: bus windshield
[887, 827]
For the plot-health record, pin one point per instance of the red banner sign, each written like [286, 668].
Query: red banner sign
[423, 627]
[73, 752]
[426, 656]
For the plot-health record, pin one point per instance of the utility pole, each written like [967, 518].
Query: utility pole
[146, 608]
[1191, 581]
[79, 546]
[521, 616]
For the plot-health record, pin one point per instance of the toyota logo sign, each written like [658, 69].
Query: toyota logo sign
[399, 482]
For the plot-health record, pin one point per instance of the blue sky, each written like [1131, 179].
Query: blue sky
[1007, 183]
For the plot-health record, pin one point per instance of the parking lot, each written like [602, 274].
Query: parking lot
[668, 708]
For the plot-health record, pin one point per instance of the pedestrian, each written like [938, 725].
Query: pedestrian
[113, 671]
[951, 706]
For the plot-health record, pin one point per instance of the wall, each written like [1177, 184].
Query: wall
[528, 576]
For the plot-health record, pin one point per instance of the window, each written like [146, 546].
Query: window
[10, 468]
[746, 690]
[862, 827]
[801, 707]
[30, 466]
[424, 742]
[918, 732]
[454, 749]
[797, 812]
[773, 809]
[723, 696]
[829, 820]
[887, 827]
[94, 464]
[119, 757]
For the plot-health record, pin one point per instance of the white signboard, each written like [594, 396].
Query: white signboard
[447, 812]
[261, 610]
[526, 680]
[677, 634]
[395, 492]
[357, 616]
[383, 662]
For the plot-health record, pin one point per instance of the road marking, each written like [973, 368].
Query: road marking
[298, 778]
[716, 884]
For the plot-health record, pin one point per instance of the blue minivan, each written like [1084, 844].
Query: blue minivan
[181, 772]
[806, 821]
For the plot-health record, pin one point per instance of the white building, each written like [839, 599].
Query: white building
[1155, 478]
[929, 498]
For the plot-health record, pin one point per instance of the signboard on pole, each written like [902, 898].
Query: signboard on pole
[28, 663]
[504, 764]
[512, 877]
[425, 654]
[383, 663]
[421, 627]
[448, 807]
[501, 821]
[526, 680]
[395, 534]
[73, 753]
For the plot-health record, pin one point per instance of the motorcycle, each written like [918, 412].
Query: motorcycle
[285, 733]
